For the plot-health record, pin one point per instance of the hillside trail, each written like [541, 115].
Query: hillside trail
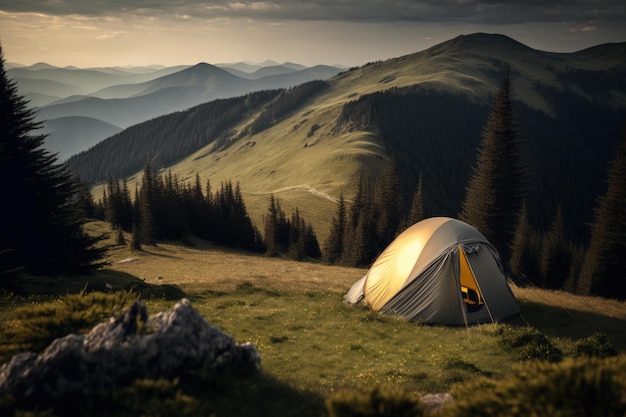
[302, 187]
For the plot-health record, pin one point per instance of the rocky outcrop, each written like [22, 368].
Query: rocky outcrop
[131, 346]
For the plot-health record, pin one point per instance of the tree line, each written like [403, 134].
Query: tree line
[47, 206]
[41, 223]
[166, 208]
[496, 203]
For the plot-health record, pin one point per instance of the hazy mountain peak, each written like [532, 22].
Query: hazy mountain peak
[486, 41]
[41, 66]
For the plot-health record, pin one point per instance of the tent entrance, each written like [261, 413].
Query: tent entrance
[470, 291]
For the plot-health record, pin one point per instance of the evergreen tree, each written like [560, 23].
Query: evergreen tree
[85, 201]
[416, 211]
[556, 256]
[147, 207]
[604, 268]
[119, 238]
[390, 204]
[118, 210]
[297, 245]
[524, 260]
[497, 185]
[197, 209]
[270, 222]
[333, 246]
[311, 243]
[136, 228]
[361, 240]
[40, 218]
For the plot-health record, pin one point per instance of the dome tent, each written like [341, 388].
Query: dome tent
[440, 270]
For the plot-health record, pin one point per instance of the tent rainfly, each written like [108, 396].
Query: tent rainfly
[440, 270]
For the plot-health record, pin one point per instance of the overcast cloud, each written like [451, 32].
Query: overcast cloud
[485, 12]
[78, 32]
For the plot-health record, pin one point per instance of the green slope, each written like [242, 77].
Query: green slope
[306, 158]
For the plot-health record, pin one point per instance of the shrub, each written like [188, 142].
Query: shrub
[36, 326]
[595, 345]
[380, 401]
[529, 344]
[148, 397]
[575, 387]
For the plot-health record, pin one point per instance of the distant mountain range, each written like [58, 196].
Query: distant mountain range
[310, 143]
[118, 97]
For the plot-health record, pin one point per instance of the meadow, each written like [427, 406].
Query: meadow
[312, 343]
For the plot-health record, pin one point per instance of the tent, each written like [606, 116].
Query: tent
[440, 270]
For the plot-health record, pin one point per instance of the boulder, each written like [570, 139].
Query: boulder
[131, 346]
[436, 402]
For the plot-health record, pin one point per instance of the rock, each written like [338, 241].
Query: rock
[131, 346]
[435, 402]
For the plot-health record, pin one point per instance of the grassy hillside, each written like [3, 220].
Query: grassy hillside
[428, 108]
[312, 343]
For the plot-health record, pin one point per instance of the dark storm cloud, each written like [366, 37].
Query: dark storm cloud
[467, 11]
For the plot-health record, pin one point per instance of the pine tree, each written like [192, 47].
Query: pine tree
[271, 229]
[40, 218]
[197, 209]
[297, 246]
[497, 185]
[604, 268]
[416, 211]
[361, 240]
[524, 262]
[147, 207]
[311, 243]
[390, 204]
[85, 201]
[333, 246]
[556, 256]
[136, 238]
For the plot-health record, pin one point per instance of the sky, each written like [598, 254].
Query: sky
[96, 33]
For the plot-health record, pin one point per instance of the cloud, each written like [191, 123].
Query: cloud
[462, 11]
[588, 28]
[110, 35]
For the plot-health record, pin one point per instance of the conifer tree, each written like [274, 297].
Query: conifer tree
[147, 207]
[604, 268]
[85, 201]
[524, 261]
[271, 229]
[556, 256]
[197, 209]
[390, 204]
[136, 241]
[311, 243]
[361, 240]
[496, 188]
[416, 211]
[333, 246]
[297, 245]
[40, 219]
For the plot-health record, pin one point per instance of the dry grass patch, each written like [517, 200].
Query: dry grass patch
[199, 269]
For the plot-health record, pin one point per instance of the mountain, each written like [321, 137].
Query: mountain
[309, 143]
[173, 92]
[70, 135]
[126, 96]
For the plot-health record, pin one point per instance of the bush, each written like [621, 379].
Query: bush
[575, 387]
[596, 345]
[529, 344]
[36, 326]
[380, 401]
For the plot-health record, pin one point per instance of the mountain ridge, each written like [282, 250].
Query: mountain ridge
[419, 107]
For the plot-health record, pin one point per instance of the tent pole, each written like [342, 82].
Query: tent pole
[458, 285]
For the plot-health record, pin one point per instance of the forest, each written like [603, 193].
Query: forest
[438, 146]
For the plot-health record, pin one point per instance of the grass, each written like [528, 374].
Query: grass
[311, 342]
